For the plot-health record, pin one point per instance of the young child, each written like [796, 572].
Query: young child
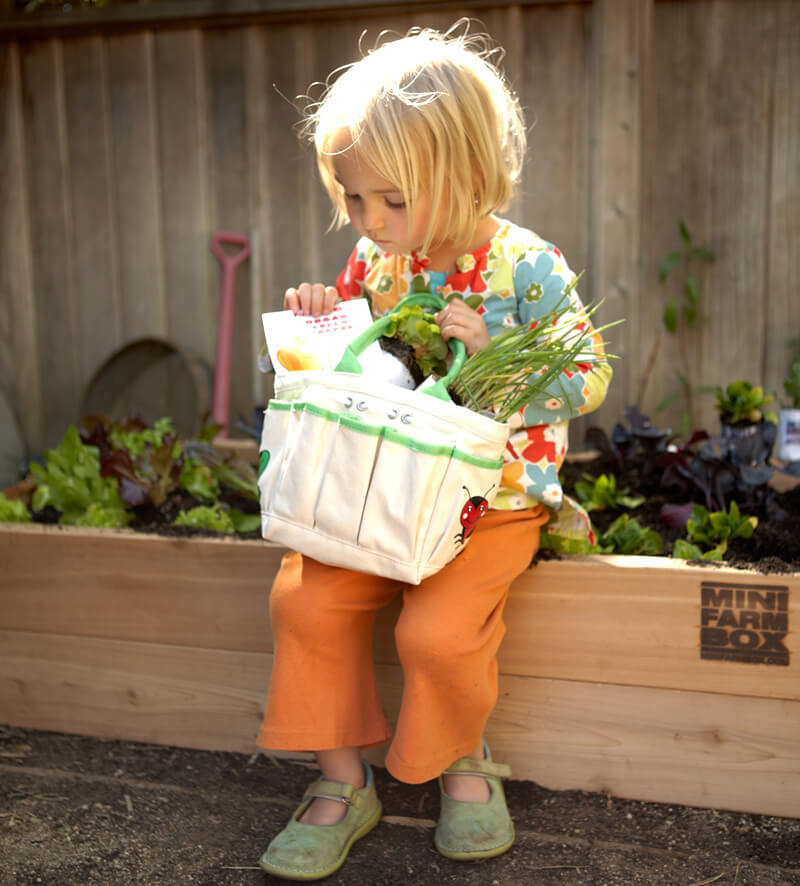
[419, 144]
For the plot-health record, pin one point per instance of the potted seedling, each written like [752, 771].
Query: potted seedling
[789, 419]
[747, 428]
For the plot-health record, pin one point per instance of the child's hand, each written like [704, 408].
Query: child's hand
[311, 300]
[459, 320]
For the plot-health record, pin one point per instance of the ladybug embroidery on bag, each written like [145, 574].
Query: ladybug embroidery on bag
[475, 507]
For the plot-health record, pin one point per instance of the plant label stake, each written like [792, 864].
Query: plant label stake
[222, 368]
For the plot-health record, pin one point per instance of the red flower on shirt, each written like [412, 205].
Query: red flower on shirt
[418, 263]
[472, 279]
[349, 283]
[539, 447]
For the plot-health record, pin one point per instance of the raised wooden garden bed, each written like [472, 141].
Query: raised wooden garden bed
[608, 682]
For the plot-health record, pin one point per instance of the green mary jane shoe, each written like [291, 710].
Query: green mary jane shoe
[311, 852]
[469, 831]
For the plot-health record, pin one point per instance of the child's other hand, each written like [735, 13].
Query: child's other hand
[459, 320]
[311, 300]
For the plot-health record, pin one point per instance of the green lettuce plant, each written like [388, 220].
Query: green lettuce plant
[13, 510]
[70, 481]
[601, 493]
[626, 536]
[709, 533]
[421, 333]
[111, 471]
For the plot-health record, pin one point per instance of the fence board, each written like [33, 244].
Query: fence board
[182, 145]
[153, 139]
[98, 321]
[46, 184]
[19, 355]
[678, 181]
[781, 302]
[742, 52]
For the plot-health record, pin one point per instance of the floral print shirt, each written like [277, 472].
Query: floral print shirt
[517, 278]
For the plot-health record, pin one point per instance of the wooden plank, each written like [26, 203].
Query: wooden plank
[137, 198]
[634, 623]
[621, 45]
[98, 320]
[198, 698]
[122, 585]
[129, 62]
[19, 353]
[628, 620]
[742, 58]
[676, 747]
[554, 90]
[182, 152]
[692, 748]
[228, 180]
[780, 303]
[209, 13]
[59, 344]
[677, 186]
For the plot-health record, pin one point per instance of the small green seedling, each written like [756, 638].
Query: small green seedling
[626, 536]
[743, 403]
[709, 533]
[601, 493]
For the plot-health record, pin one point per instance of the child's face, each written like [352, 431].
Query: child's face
[376, 207]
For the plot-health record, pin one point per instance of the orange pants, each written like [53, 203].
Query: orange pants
[323, 693]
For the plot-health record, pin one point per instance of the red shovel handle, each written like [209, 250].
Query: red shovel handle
[222, 369]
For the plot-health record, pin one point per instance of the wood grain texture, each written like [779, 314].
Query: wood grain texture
[19, 353]
[625, 620]
[691, 748]
[128, 149]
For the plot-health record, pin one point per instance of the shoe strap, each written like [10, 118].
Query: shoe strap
[471, 766]
[333, 790]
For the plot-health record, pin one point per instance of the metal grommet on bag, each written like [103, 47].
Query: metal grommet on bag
[361, 406]
[406, 419]
[393, 414]
[348, 402]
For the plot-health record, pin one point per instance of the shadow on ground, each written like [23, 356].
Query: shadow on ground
[76, 811]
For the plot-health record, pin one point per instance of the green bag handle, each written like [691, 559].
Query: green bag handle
[349, 361]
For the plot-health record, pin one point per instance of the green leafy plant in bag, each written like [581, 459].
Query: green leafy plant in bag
[418, 329]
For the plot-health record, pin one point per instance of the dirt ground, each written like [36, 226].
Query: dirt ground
[76, 811]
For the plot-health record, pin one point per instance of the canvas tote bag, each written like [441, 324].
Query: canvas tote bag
[367, 475]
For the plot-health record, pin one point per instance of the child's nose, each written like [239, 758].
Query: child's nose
[373, 218]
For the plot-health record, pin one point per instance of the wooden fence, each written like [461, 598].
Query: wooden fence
[129, 135]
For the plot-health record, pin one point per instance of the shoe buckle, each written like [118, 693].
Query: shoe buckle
[339, 799]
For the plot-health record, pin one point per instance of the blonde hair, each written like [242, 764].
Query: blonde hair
[430, 113]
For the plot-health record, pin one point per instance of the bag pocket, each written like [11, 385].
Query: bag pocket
[272, 448]
[400, 500]
[305, 461]
[344, 487]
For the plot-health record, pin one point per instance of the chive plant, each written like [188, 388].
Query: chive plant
[523, 364]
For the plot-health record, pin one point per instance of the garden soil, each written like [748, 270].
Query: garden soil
[76, 811]
[774, 546]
